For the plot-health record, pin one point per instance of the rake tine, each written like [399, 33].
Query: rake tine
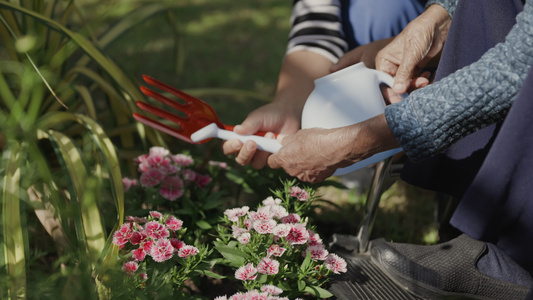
[163, 128]
[172, 103]
[162, 113]
[167, 88]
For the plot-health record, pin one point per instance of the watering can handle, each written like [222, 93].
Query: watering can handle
[388, 80]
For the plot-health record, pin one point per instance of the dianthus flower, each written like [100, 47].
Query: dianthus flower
[177, 244]
[335, 263]
[162, 250]
[244, 238]
[156, 230]
[275, 250]
[264, 226]
[234, 214]
[137, 238]
[268, 266]
[299, 193]
[202, 180]
[281, 230]
[271, 201]
[291, 218]
[130, 267]
[188, 251]
[156, 214]
[139, 254]
[297, 234]
[314, 238]
[121, 236]
[171, 188]
[151, 177]
[271, 289]
[127, 183]
[318, 252]
[173, 223]
[183, 160]
[247, 272]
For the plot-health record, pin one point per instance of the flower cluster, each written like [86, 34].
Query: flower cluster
[266, 292]
[156, 236]
[290, 244]
[168, 173]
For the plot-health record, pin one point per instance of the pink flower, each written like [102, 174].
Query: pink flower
[151, 177]
[139, 254]
[314, 238]
[171, 188]
[158, 152]
[183, 160]
[237, 231]
[121, 236]
[188, 175]
[219, 164]
[299, 193]
[335, 263]
[162, 250]
[271, 289]
[156, 230]
[234, 214]
[247, 272]
[278, 211]
[275, 250]
[202, 180]
[318, 252]
[188, 251]
[297, 234]
[128, 183]
[130, 267]
[281, 230]
[174, 223]
[156, 214]
[263, 213]
[221, 298]
[177, 244]
[268, 266]
[147, 245]
[255, 295]
[264, 226]
[291, 218]
[238, 296]
[137, 238]
[244, 238]
[143, 276]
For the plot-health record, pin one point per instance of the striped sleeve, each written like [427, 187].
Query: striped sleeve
[316, 26]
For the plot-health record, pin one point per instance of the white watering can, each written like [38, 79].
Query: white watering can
[343, 98]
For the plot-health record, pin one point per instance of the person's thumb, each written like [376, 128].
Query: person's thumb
[248, 126]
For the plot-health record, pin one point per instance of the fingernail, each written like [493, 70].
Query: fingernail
[237, 145]
[250, 147]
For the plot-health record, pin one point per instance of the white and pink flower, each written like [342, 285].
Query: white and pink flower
[171, 188]
[156, 230]
[335, 263]
[183, 160]
[299, 193]
[121, 236]
[234, 214]
[318, 252]
[291, 218]
[130, 267]
[264, 226]
[156, 214]
[188, 251]
[151, 177]
[247, 272]
[162, 250]
[139, 254]
[244, 238]
[271, 289]
[271, 201]
[173, 223]
[281, 230]
[268, 266]
[298, 234]
[275, 250]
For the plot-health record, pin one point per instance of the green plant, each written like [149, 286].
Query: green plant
[65, 109]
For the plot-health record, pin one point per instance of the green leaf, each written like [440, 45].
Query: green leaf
[318, 291]
[203, 225]
[301, 285]
[13, 253]
[210, 274]
[305, 264]
[235, 257]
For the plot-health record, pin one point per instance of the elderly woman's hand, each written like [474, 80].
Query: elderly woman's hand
[314, 154]
[420, 42]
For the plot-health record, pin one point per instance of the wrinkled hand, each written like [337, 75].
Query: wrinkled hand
[272, 117]
[419, 43]
[365, 53]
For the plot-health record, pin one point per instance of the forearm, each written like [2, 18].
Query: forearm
[296, 78]
[433, 118]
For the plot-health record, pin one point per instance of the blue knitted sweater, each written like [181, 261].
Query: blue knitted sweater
[430, 119]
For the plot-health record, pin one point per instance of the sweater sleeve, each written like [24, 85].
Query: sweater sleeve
[449, 5]
[432, 118]
[316, 26]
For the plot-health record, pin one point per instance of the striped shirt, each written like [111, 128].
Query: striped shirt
[316, 26]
